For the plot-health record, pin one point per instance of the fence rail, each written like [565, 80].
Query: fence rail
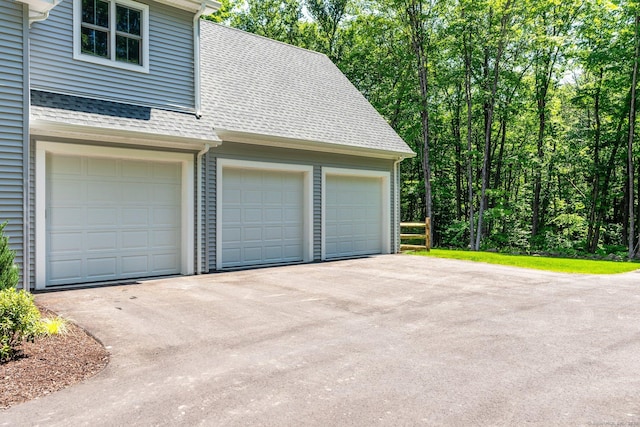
[423, 235]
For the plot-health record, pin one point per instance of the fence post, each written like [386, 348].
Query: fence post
[427, 233]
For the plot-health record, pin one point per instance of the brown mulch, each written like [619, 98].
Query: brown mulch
[50, 364]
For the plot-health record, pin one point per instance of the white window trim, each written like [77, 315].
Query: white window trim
[385, 182]
[307, 171]
[187, 201]
[144, 30]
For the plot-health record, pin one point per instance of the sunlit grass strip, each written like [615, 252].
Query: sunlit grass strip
[560, 265]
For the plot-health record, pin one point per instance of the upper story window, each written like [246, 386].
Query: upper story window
[112, 32]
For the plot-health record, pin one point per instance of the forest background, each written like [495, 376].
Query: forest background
[522, 113]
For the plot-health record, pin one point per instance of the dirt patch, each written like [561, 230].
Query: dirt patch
[50, 364]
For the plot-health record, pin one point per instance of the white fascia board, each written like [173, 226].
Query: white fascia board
[56, 129]
[41, 6]
[210, 6]
[228, 135]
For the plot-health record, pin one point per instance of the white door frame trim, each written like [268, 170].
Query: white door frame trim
[307, 172]
[187, 202]
[385, 178]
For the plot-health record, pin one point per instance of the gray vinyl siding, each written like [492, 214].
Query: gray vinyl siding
[317, 212]
[230, 150]
[168, 84]
[32, 214]
[13, 122]
[203, 215]
[211, 186]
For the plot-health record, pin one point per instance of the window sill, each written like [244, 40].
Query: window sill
[110, 63]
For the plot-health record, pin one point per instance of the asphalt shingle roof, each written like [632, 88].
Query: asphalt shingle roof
[259, 86]
[75, 110]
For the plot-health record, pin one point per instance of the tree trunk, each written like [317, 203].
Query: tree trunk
[458, 141]
[595, 186]
[489, 108]
[414, 13]
[467, 94]
[632, 123]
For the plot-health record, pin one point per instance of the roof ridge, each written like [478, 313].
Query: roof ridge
[217, 24]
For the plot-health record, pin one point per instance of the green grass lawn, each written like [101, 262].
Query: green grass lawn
[561, 265]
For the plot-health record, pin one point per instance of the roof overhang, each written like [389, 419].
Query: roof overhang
[48, 128]
[39, 9]
[229, 135]
[40, 6]
[207, 6]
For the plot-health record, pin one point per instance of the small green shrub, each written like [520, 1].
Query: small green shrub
[9, 272]
[19, 321]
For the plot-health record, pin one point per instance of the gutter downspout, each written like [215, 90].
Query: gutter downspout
[196, 61]
[396, 203]
[200, 225]
[197, 99]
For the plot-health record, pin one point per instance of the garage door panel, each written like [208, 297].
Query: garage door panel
[252, 196]
[135, 239]
[292, 251]
[66, 269]
[165, 238]
[162, 263]
[165, 216]
[102, 167]
[66, 165]
[123, 227]
[135, 265]
[102, 268]
[273, 215]
[136, 192]
[101, 216]
[253, 254]
[66, 191]
[67, 216]
[273, 233]
[135, 169]
[66, 242]
[273, 197]
[134, 217]
[101, 241]
[252, 215]
[165, 172]
[253, 234]
[353, 215]
[267, 207]
[165, 194]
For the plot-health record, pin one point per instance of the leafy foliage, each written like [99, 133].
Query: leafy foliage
[9, 272]
[19, 321]
[528, 109]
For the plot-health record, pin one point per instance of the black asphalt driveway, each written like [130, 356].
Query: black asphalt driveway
[388, 340]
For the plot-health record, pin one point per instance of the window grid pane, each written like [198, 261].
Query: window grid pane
[128, 49]
[96, 27]
[128, 20]
[95, 42]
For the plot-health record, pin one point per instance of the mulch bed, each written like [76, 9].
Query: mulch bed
[50, 364]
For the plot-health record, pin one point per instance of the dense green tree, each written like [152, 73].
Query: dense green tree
[519, 112]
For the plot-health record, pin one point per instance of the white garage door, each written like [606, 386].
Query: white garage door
[111, 219]
[354, 215]
[262, 217]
